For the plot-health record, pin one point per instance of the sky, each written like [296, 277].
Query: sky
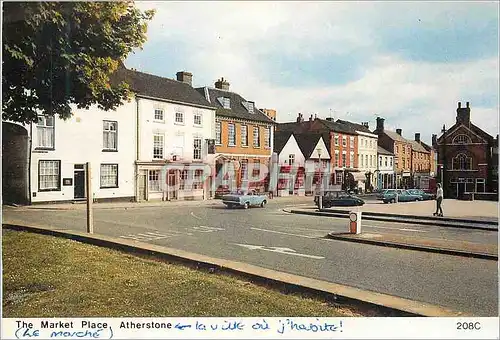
[407, 62]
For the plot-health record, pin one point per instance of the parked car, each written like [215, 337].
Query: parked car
[338, 199]
[425, 196]
[244, 199]
[381, 194]
[403, 196]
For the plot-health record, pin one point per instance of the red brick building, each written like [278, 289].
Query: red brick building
[466, 161]
[342, 144]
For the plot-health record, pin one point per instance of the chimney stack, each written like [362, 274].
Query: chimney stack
[463, 113]
[300, 118]
[417, 137]
[434, 141]
[399, 132]
[380, 124]
[222, 84]
[311, 118]
[185, 77]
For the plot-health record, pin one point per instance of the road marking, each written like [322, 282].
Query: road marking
[147, 236]
[283, 233]
[205, 229]
[402, 229]
[280, 250]
[192, 214]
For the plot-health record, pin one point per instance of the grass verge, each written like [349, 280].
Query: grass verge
[46, 276]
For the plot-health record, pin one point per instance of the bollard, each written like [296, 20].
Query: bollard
[355, 222]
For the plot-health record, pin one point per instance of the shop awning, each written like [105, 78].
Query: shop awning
[358, 176]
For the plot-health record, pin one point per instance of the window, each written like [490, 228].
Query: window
[351, 160]
[256, 168]
[404, 163]
[218, 128]
[404, 150]
[197, 149]
[480, 187]
[226, 103]
[244, 135]
[371, 144]
[380, 161]
[154, 180]
[344, 141]
[339, 178]
[397, 149]
[385, 161]
[291, 159]
[198, 179]
[366, 143]
[109, 175]
[159, 115]
[197, 119]
[462, 162]
[179, 117]
[267, 137]
[110, 135]
[182, 180]
[360, 160]
[45, 132]
[366, 160]
[244, 169]
[256, 137]
[231, 134]
[390, 161]
[250, 107]
[462, 139]
[336, 137]
[344, 159]
[351, 142]
[158, 146]
[49, 175]
[337, 157]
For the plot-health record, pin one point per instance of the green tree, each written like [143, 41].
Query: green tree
[61, 53]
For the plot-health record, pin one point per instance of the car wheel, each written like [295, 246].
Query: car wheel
[263, 204]
[246, 205]
[393, 200]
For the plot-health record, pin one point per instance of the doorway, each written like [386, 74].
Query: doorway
[79, 181]
[142, 181]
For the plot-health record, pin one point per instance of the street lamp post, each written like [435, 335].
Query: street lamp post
[320, 199]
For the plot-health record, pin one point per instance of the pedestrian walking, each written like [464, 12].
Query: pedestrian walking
[439, 201]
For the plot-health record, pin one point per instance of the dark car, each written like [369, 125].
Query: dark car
[338, 199]
[425, 196]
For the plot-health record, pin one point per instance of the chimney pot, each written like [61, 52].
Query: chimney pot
[459, 105]
[417, 137]
[467, 104]
[399, 132]
[222, 84]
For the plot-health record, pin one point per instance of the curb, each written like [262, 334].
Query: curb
[290, 281]
[421, 217]
[454, 252]
[388, 219]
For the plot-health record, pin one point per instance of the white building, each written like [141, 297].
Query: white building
[56, 152]
[164, 134]
[176, 126]
[385, 171]
[299, 155]
[367, 144]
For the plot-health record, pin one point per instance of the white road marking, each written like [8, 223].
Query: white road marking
[283, 233]
[205, 229]
[192, 214]
[280, 250]
[402, 229]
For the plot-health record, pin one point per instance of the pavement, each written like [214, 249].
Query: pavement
[298, 245]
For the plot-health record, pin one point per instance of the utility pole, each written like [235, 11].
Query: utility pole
[90, 199]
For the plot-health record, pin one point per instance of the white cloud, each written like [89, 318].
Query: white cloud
[219, 38]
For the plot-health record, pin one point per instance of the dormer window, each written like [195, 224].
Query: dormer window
[226, 103]
[250, 107]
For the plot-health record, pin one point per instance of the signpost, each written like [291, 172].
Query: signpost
[90, 198]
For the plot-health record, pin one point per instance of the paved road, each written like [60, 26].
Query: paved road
[292, 243]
